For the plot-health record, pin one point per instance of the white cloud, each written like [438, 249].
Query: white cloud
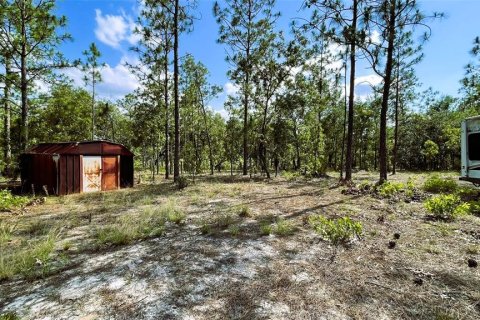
[231, 88]
[114, 29]
[117, 81]
[371, 80]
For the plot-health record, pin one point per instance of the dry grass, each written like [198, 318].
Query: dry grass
[213, 230]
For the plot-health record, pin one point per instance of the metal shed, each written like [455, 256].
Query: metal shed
[75, 167]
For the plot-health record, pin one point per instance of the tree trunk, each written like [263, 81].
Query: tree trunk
[344, 119]
[165, 96]
[176, 155]
[386, 93]
[349, 156]
[397, 98]
[24, 94]
[7, 147]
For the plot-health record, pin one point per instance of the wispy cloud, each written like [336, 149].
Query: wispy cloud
[115, 29]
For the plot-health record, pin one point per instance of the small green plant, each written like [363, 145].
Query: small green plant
[234, 230]
[67, 245]
[436, 184]
[182, 182]
[244, 212]
[9, 316]
[223, 220]
[474, 207]
[473, 249]
[446, 206]
[390, 188]
[266, 229]
[338, 231]
[8, 201]
[6, 232]
[283, 228]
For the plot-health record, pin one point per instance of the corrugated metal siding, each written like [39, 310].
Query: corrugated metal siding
[82, 148]
[39, 170]
[69, 174]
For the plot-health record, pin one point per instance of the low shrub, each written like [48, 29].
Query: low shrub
[436, 184]
[182, 182]
[8, 201]
[338, 231]
[390, 188]
[447, 206]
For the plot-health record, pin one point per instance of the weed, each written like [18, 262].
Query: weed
[172, 212]
[266, 229]
[223, 220]
[6, 232]
[234, 230]
[435, 184]
[390, 188]
[244, 211]
[39, 228]
[31, 260]
[283, 228]
[446, 206]
[67, 245]
[473, 249]
[148, 224]
[338, 231]
[9, 316]
[8, 201]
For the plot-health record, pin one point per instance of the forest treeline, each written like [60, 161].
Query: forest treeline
[294, 107]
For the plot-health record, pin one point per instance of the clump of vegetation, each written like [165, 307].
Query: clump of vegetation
[281, 227]
[8, 201]
[6, 232]
[436, 184]
[182, 182]
[149, 223]
[244, 211]
[390, 188]
[338, 231]
[223, 220]
[30, 261]
[447, 206]
[234, 230]
[9, 316]
[172, 213]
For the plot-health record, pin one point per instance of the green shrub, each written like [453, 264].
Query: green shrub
[446, 206]
[435, 184]
[390, 188]
[8, 201]
[337, 231]
[182, 182]
[474, 207]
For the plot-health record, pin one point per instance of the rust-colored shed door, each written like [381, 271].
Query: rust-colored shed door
[109, 173]
[92, 174]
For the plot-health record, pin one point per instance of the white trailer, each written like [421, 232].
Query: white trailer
[470, 149]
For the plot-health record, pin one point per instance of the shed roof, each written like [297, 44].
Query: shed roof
[97, 147]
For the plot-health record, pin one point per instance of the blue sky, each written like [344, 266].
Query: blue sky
[110, 23]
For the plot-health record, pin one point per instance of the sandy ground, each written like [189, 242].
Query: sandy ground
[186, 274]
